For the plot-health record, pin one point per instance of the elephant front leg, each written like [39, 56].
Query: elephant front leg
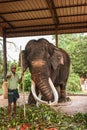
[31, 100]
[63, 96]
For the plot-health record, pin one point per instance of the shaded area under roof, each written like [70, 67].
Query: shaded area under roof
[42, 17]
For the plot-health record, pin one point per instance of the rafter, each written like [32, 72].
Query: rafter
[53, 12]
[20, 20]
[46, 29]
[41, 9]
[50, 25]
[7, 1]
[47, 14]
[6, 22]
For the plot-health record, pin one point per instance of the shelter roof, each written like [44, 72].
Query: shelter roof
[42, 17]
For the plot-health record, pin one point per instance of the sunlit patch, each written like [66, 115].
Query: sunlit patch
[38, 63]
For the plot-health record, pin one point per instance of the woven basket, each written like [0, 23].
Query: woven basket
[5, 89]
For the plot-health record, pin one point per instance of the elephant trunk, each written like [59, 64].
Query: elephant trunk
[45, 89]
[46, 92]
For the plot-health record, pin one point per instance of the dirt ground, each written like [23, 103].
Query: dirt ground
[77, 104]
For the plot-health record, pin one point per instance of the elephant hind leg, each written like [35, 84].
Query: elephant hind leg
[62, 97]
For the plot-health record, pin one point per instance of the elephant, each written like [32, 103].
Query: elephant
[49, 67]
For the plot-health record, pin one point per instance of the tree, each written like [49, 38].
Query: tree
[76, 46]
[79, 56]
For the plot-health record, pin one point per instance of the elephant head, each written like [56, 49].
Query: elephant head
[42, 58]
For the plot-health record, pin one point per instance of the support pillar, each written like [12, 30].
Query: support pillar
[56, 39]
[4, 54]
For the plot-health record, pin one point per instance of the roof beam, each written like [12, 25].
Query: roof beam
[42, 9]
[72, 15]
[46, 25]
[7, 1]
[6, 22]
[18, 20]
[45, 29]
[72, 6]
[23, 11]
[51, 6]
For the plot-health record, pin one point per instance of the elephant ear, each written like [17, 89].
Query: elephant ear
[23, 60]
[56, 59]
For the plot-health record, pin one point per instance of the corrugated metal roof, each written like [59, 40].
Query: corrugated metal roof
[43, 17]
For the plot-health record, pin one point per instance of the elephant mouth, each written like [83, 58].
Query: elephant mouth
[38, 98]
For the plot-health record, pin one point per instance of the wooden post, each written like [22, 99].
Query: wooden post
[56, 39]
[23, 83]
[4, 54]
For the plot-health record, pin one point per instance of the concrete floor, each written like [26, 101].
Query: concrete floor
[77, 104]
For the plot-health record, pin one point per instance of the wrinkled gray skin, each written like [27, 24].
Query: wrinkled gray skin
[45, 60]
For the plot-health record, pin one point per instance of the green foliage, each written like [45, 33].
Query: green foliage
[1, 90]
[76, 46]
[73, 83]
[79, 56]
[79, 117]
[43, 117]
[27, 81]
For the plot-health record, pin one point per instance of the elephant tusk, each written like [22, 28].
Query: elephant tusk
[34, 93]
[38, 99]
[56, 97]
[39, 96]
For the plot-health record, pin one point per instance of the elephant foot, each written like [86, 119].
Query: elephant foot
[31, 104]
[62, 99]
[62, 96]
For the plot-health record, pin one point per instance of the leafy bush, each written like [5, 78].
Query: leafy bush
[79, 56]
[27, 82]
[73, 83]
[1, 80]
[43, 118]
